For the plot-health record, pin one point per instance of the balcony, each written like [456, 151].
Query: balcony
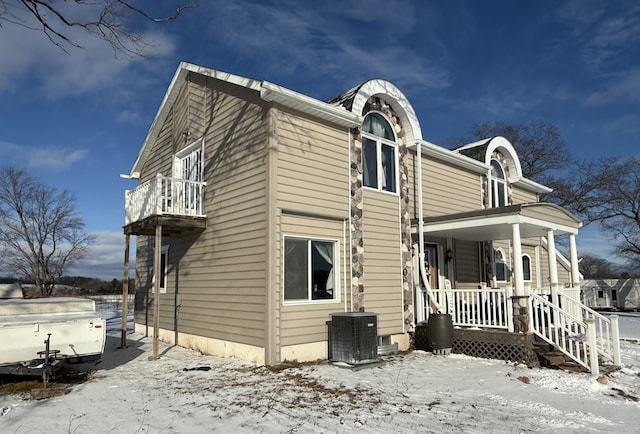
[173, 202]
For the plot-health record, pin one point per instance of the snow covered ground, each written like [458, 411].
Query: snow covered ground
[186, 392]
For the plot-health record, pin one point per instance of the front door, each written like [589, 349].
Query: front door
[431, 264]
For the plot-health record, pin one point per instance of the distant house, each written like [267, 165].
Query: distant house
[261, 211]
[623, 294]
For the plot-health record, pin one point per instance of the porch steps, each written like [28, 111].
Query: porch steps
[555, 359]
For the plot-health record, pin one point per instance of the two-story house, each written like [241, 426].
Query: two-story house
[261, 211]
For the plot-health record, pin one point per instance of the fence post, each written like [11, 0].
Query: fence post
[615, 337]
[591, 344]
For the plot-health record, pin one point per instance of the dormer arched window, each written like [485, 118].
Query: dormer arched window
[498, 185]
[379, 154]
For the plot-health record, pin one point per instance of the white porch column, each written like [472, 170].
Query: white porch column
[518, 274]
[522, 320]
[553, 266]
[575, 272]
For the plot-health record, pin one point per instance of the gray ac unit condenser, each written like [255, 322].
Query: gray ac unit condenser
[353, 337]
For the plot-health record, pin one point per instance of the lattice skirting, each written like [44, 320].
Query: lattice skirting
[493, 344]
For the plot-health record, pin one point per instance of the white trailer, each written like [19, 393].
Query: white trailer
[37, 336]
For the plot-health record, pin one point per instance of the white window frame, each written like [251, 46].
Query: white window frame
[336, 271]
[503, 262]
[188, 154]
[524, 269]
[164, 252]
[495, 184]
[380, 141]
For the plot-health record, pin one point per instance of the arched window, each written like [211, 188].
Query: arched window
[526, 267]
[498, 185]
[500, 265]
[379, 154]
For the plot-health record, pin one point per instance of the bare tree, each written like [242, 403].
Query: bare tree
[593, 267]
[108, 20]
[619, 207]
[539, 146]
[40, 231]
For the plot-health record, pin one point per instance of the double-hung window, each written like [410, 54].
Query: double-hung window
[379, 154]
[310, 269]
[498, 185]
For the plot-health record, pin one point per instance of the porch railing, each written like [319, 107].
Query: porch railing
[164, 196]
[482, 308]
[572, 328]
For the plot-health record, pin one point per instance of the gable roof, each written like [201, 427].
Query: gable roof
[268, 92]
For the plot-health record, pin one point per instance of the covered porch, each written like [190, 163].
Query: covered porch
[552, 312]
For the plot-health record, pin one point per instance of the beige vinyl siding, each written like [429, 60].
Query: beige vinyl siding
[519, 195]
[446, 189]
[549, 214]
[467, 264]
[383, 260]
[162, 152]
[306, 323]
[218, 276]
[313, 166]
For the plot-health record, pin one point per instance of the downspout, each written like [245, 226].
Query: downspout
[348, 256]
[346, 259]
[423, 271]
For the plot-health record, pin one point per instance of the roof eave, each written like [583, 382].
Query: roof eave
[530, 185]
[336, 114]
[452, 157]
[178, 80]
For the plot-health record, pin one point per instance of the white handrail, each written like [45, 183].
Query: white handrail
[606, 329]
[567, 333]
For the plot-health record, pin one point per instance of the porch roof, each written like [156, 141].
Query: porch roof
[535, 220]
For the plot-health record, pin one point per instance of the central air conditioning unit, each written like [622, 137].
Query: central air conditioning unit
[353, 337]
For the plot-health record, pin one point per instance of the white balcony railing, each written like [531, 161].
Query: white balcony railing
[164, 196]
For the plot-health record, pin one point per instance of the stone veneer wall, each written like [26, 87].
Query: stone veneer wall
[357, 213]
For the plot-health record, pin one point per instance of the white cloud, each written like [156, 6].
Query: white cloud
[105, 259]
[54, 74]
[621, 87]
[58, 159]
[300, 41]
[605, 30]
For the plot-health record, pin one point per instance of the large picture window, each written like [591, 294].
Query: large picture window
[379, 154]
[309, 269]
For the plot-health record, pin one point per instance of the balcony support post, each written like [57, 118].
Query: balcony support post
[156, 289]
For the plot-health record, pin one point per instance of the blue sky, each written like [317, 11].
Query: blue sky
[78, 119]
